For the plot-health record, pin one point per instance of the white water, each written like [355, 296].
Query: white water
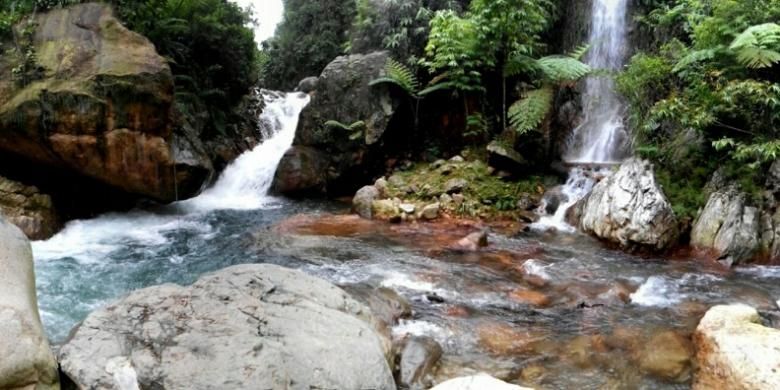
[602, 136]
[243, 185]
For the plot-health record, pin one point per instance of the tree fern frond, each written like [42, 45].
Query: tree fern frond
[758, 46]
[579, 52]
[694, 57]
[757, 58]
[560, 69]
[520, 64]
[400, 75]
[529, 112]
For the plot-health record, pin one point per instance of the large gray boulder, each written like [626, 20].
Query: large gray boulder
[728, 226]
[630, 209]
[26, 362]
[301, 172]
[245, 327]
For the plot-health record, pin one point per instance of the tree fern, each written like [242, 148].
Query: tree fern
[529, 112]
[757, 47]
[559, 69]
[400, 75]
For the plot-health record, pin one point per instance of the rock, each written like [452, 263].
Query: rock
[385, 304]
[343, 94]
[668, 356]
[455, 186]
[382, 186]
[477, 382]
[308, 85]
[529, 297]
[734, 351]
[408, 208]
[445, 199]
[438, 164]
[29, 209]
[553, 199]
[430, 212]
[505, 340]
[27, 361]
[457, 160]
[630, 209]
[527, 202]
[363, 201]
[473, 241]
[102, 110]
[385, 209]
[301, 172]
[418, 359]
[248, 327]
[458, 199]
[728, 226]
[396, 181]
[503, 158]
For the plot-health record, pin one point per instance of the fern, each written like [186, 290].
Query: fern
[757, 47]
[356, 129]
[400, 75]
[559, 69]
[579, 52]
[695, 57]
[529, 112]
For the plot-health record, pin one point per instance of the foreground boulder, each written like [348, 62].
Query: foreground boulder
[630, 209]
[477, 382]
[248, 327]
[101, 107]
[734, 351]
[29, 209]
[343, 95]
[26, 362]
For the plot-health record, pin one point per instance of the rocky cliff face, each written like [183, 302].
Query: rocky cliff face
[28, 208]
[102, 108]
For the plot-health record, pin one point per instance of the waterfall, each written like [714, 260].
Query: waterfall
[601, 137]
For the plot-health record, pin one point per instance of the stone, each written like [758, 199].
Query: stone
[301, 173]
[384, 209]
[109, 112]
[505, 340]
[382, 186]
[363, 202]
[438, 164]
[458, 199]
[308, 85]
[728, 226]
[247, 326]
[28, 209]
[554, 198]
[385, 304]
[473, 241]
[396, 181]
[477, 382]
[503, 158]
[445, 199]
[408, 208]
[629, 208]
[668, 355]
[430, 212]
[418, 360]
[734, 351]
[27, 361]
[457, 160]
[529, 297]
[455, 186]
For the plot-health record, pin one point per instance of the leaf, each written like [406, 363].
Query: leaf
[399, 74]
[559, 69]
[758, 46]
[528, 113]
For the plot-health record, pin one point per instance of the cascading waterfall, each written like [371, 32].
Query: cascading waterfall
[601, 138]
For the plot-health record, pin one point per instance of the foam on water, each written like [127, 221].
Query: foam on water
[657, 291]
[579, 184]
[422, 328]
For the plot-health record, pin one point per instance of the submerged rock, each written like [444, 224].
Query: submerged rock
[419, 357]
[734, 351]
[477, 382]
[668, 355]
[29, 209]
[473, 241]
[630, 209]
[26, 362]
[248, 327]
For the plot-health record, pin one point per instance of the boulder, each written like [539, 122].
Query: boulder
[668, 356]
[477, 382]
[27, 361]
[630, 209]
[308, 85]
[430, 212]
[553, 198]
[247, 327]
[455, 186]
[734, 351]
[473, 241]
[504, 158]
[363, 202]
[102, 108]
[419, 356]
[301, 172]
[29, 209]
[728, 226]
[385, 304]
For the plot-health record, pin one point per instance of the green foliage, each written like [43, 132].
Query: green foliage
[527, 114]
[758, 46]
[399, 74]
[356, 130]
[311, 35]
[453, 52]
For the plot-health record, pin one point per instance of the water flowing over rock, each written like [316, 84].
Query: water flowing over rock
[28, 208]
[477, 382]
[103, 108]
[248, 326]
[26, 362]
[630, 209]
[729, 226]
[734, 351]
[418, 359]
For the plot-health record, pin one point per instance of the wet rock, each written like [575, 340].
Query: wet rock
[26, 362]
[553, 199]
[506, 340]
[301, 173]
[583, 351]
[630, 209]
[385, 209]
[668, 356]
[504, 158]
[385, 304]
[477, 382]
[729, 226]
[28, 209]
[527, 202]
[418, 360]
[529, 297]
[113, 120]
[431, 211]
[308, 85]
[455, 186]
[473, 242]
[734, 351]
[363, 201]
[248, 327]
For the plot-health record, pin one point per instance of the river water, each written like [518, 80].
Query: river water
[542, 309]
